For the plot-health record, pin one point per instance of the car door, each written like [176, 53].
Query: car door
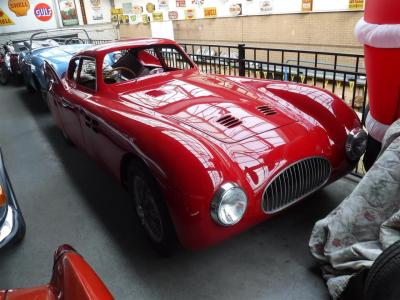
[69, 105]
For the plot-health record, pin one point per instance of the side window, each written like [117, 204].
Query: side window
[87, 76]
[73, 69]
[174, 59]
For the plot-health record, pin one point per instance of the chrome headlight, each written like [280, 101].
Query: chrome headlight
[356, 144]
[229, 204]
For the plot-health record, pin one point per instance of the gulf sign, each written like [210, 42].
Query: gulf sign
[43, 12]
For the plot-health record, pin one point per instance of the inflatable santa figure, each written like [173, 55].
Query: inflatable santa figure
[379, 31]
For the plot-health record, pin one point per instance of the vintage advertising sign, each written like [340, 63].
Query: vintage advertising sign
[210, 12]
[145, 19]
[356, 4]
[97, 11]
[125, 19]
[116, 11]
[19, 7]
[127, 7]
[173, 15]
[68, 12]
[137, 9]
[235, 9]
[43, 12]
[180, 3]
[158, 16]
[163, 4]
[150, 7]
[266, 6]
[133, 18]
[5, 19]
[198, 2]
[307, 5]
[190, 13]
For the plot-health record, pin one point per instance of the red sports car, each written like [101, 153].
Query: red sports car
[203, 156]
[72, 279]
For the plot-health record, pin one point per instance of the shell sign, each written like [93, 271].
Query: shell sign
[5, 19]
[19, 7]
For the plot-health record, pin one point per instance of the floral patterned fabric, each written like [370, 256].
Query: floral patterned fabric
[353, 235]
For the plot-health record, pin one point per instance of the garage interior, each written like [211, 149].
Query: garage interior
[58, 188]
[65, 197]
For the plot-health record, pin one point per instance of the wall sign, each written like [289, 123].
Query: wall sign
[150, 7]
[190, 13]
[158, 16]
[19, 7]
[163, 4]
[198, 2]
[43, 12]
[180, 3]
[68, 12]
[235, 9]
[307, 5]
[266, 6]
[137, 9]
[127, 7]
[210, 12]
[356, 4]
[145, 19]
[5, 19]
[97, 11]
[173, 15]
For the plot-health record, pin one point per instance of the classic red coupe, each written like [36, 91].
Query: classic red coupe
[72, 279]
[203, 156]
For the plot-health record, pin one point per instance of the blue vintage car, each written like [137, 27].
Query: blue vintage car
[55, 50]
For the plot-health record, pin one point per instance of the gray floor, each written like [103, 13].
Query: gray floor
[66, 198]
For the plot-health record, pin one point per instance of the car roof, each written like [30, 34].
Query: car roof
[102, 49]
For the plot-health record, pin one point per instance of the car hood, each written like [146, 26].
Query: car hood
[217, 106]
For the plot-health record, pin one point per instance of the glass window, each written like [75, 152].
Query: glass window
[87, 75]
[129, 64]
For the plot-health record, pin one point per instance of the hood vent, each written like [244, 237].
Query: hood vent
[266, 110]
[229, 121]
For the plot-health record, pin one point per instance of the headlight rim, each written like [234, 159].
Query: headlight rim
[217, 200]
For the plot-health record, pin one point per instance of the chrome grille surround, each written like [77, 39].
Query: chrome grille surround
[295, 182]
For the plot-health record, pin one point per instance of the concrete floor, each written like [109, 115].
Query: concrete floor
[66, 198]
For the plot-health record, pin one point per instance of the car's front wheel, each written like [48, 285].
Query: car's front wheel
[150, 208]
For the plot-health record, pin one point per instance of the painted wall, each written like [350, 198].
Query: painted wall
[30, 21]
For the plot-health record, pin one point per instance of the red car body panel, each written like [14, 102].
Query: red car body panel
[169, 121]
[72, 279]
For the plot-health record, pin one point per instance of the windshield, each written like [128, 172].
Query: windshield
[129, 64]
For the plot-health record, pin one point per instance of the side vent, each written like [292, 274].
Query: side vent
[229, 121]
[266, 110]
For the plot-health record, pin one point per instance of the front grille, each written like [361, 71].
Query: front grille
[296, 182]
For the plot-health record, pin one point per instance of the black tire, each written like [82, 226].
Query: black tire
[151, 209]
[4, 74]
[383, 278]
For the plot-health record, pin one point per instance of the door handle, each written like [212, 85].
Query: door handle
[66, 104]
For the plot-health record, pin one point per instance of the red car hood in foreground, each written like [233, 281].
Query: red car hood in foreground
[72, 279]
[218, 107]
